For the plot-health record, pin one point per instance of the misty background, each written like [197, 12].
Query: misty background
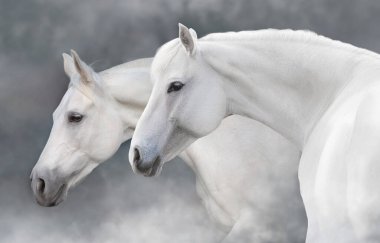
[113, 204]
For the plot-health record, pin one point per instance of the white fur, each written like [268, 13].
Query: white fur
[236, 183]
[319, 93]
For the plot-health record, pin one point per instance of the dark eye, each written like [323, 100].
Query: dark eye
[74, 117]
[175, 86]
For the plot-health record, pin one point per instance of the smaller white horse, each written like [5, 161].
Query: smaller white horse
[251, 193]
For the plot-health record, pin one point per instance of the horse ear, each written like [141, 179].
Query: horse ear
[193, 34]
[68, 64]
[86, 72]
[188, 38]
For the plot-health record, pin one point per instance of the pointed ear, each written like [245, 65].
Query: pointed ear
[86, 72]
[68, 65]
[193, 34]
[188, 38]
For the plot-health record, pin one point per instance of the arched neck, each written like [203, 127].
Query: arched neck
[287, 85]
[130, 87]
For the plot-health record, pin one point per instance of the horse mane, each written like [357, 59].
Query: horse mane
[286, 35]
[167, 52]
[262, 34]
[105, 74]
[139, 63]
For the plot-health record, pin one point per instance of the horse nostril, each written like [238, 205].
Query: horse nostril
[40, 186]
[136, 156]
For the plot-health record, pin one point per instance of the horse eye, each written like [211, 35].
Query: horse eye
[75, 117]
[175, 86]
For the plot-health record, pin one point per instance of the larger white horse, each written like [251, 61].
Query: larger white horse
[321, 94]
[236, 183]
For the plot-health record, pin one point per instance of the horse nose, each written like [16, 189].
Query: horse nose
[143, 163]
[48, 191]
[137, 160]
[40, 186]
[136, 156]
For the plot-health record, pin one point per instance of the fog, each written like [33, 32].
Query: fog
[113, 204]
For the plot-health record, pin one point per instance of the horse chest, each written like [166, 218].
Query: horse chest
[217, 205]
[215, 185]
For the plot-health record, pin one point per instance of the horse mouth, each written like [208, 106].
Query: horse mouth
[154, 169]
[54, 200]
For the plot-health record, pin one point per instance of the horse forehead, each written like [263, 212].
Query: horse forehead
[64, 101]
[73, 99]
[166, 56]
[180, 69]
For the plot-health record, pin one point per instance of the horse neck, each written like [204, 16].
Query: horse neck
[286, 85]
[130, 87]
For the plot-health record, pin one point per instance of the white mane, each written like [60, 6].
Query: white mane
[139, 63]
[122, 68]
[111, 74]
[169, 50]
[303, 36]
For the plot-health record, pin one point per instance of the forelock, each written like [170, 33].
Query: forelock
[84, 89]
[165, 55]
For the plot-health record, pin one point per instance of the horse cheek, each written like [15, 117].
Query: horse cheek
[210, 113]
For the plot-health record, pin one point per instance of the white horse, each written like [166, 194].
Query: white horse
[321, 94]
[236, 183]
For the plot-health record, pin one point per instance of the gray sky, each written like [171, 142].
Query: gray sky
[113, 205]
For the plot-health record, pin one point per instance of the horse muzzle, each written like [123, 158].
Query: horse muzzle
[47, 191]
[146, 167]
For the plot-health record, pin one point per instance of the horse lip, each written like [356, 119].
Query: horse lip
[55, 200]
[60, 193]
[154, 169]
